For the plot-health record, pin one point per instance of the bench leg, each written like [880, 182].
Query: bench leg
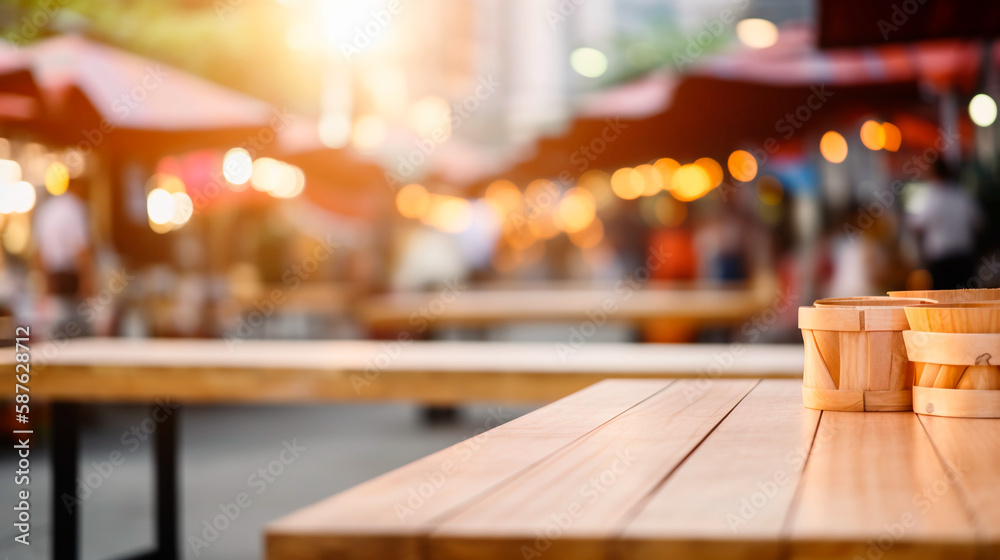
[65, 470]
[167, 517]
[65, 507]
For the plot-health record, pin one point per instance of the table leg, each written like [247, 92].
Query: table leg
[65, 468]
[167, 517]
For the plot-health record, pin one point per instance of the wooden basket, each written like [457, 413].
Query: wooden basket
[955, 349]
[855, 358]
[952, 296]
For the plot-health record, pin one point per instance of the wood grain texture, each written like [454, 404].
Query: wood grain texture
[120, 370]
[387, 516]
[972, 463]
[859, 485]
[831, 319]
[853, 361]
[613, 469]
[956, 403]
[864, 484]
[731, 497]
[953, 349]
[477, 308]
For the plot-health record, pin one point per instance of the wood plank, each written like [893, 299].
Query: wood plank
[831, 319]
[119, 370]
[853, 361]
[382, 518]
[864, 493]
[570, 504]
[970, 448]
[731, 497]
[478, 308]
[880, 360]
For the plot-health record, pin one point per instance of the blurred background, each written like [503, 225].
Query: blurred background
[480, 169]
[169, 169]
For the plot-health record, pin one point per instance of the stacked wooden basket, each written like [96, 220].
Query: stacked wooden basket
[933, 352]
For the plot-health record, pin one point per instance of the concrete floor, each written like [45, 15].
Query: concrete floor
[221, 448]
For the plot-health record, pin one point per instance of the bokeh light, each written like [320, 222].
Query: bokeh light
[589, 62]
[742, 166]
[712, 169]
[369, 133]
[449, 214]
[431, 117]
[183, 208]
[691, 182]
[652, 181]
[10, 172]
[833, 147]
[666, 167]
[757, 33]
[770, 191]
[160, 206]
[670, 212]
[17, 198]
[56, 178]
[893, 137]
[589, 236]
[334, 130]
[577, 210]
[237, 166]
[505, 195]
[627, 183]
[412, 201]
[983, 110]
[599, 184]
[872, 135]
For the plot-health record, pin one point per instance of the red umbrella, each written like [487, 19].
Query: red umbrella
[97, 94]
[746, 97]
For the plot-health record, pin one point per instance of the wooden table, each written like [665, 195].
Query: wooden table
[479, 308]
[654, 469]
[440, 373]
[168, 372]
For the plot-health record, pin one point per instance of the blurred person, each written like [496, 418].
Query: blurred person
[718, 241]
[63, 255]
[946, 225]
[428, 259]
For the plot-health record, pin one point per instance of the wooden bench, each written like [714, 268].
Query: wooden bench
[216, 371]
[80, 372]
[653, 469]
[481, 308]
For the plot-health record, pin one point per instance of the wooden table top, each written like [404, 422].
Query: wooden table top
[193, 370]
[481, 307]
[653, 469]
